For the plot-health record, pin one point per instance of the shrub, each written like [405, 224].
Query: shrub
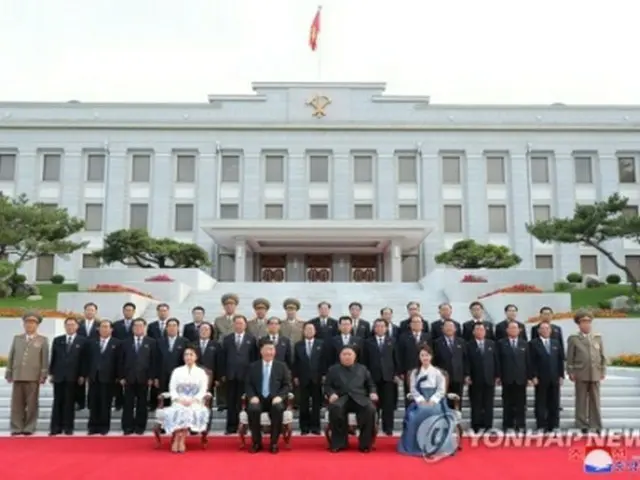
[115, 288]
[519, 288]
[57, 279]
[563, 287]
[574, 277]
[473, 279]
[604, 305]
[594, 284]
[613, 279]
[18, 279]
[159, 278]
[626, 360]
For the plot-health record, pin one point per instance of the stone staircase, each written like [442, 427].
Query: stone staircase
[619, 395]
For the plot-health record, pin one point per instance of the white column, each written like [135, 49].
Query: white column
[241, 260]
[395, 253]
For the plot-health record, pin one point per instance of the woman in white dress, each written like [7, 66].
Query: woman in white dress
[188, 386]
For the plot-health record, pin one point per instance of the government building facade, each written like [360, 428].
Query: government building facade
[323, 181]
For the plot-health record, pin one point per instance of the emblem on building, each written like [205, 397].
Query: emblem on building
[319, 103]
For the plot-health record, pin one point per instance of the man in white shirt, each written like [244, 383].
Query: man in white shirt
[88, 328]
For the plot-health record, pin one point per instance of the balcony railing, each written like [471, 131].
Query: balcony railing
[318, 275]
[364, 275]
[273, 275]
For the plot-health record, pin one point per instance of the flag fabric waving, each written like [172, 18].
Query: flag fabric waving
[314, 31]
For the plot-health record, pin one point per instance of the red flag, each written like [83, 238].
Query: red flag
[314, 31]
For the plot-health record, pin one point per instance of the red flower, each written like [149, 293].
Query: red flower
[163, 277]
[473, 279]
[115, 288]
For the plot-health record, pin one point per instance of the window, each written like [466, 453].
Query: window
[362, 169]
[451, 170]
[184, 217]
[186, 168]
[229, 211]
[407, 169]
[7, 167]
[583, 169]
[541, 213]
[495, 170]
[589, 264]
[273, 212]
[44, 268]
[363, 212]
[318, 169]
[139, 215]
[408, 212]
[452, 219]
[318, 212]
[630, 211]
[544, 262]
[539, 170]
[627, 169]
[93, 217]
[89, 261]
[51, 168]
[230, 168]
[274, 169]
[497, 219]
[141, 168]
[95, 168]
[632, 262]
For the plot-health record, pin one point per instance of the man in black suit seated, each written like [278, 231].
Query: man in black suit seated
[170, 354]
[511, 314]
[344, 338]
[104, 357]
[284, 351]
[413, 308]
[445, 310]
[360, 327]
[477, 316]
[547, 371]
[67, 370]
[309, 368]
[546, 315]
[381, 358]
[450, 354]
[138, 372]
[393, 331]
[350, 388]
[326, 325]
[267, 386]
[409, 348]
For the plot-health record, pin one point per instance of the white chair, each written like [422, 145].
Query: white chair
[164, 400]
[265, 422]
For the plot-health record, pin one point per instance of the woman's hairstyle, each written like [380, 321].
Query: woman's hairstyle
[192, 348]
[423, 347]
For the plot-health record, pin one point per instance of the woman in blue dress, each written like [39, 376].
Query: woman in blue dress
[429, 428]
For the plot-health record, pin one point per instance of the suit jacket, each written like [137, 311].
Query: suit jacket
[28, 361]
[501, 330]
[168, 360]
[92, 332]
[234, 362]
[556, 333]
[279, 380]
[405, 326]
[547, 367]
[362, 329]
[382, 363]
[104, 366]
[140, 366]
[468, 326]
[408, 350]
[154, 331]
[257, 328]
[284, 352]
[585, 357]
[483, 367]
[325, 333]
[336, 344]
[515, 364]
[309, 369]
[191, 332]
[292, 329]
[436, 329]
[453, 359]
[209, 358]
[353, 383]
[223, 326]
[393, 331]
[68, 364]
[120, 330]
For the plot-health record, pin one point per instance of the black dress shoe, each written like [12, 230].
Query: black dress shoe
[335, 450]
[389, 433]
[68, 432]
[255, 448]
[128, 432]
[54, 433]
[104, 432]
[365, 450]
[315, 431]
[139, 432]
[304, 432]
[274, 449]
[28, 434]
[222, 409]
[16, 434]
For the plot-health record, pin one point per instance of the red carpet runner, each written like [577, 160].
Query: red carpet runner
[106, 458]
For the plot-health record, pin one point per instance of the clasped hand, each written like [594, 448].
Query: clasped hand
[186, 402]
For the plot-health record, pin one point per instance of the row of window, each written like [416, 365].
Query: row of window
[589, 263]
[319, 168]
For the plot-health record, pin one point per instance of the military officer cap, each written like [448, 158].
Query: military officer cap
[261, 303]
[32, 316]
[230, 298]
[291, 302]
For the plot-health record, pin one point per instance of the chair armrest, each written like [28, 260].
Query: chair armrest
[161, 398]
[208, 400]
[455, 399]
[243, 402]
[290, 401]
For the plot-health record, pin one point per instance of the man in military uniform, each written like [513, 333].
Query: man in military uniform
[257, 326]
[292, 325]
[223, 326]
[586, 366]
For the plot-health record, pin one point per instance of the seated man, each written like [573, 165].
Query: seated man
[350, 388]
[267, 386]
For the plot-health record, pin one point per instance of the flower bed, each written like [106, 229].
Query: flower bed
[19, 312]
[519, 288]
[600, 313]
[114, 288]
[473, 279]
[159, 278]
[626, 360]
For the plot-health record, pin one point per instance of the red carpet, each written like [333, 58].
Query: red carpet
[106, 458]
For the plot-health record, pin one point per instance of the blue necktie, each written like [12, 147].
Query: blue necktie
[265, 381]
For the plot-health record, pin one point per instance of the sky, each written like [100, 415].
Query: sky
[456, 51]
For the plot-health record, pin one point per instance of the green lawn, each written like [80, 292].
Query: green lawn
[593, 297]
[49, 300]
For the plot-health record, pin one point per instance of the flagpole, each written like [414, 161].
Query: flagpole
[319, 52]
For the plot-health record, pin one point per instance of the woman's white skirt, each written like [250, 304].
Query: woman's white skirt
[179, 417]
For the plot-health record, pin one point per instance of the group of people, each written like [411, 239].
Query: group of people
[348, 363]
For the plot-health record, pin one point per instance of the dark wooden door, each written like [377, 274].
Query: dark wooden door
[319, 268]
[273, 268]
[364, 268]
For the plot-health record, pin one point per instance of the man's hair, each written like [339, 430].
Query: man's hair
[173, 320]
[197, 309]
[90, 304]
[265, 342]
[139, 320]
[239, 315]
[546, 309]
[476, 304]
[129, 304]
[161, 305]
[323, 303]
[511, 305]
[345, 318]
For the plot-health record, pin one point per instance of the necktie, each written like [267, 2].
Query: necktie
[345, 340]
[513, 344]
[238, 340]
[103, 343]
[309, 347]
[547, 345]
[481, 346]
[450, 343]
[69, 340]
[127, 325]
[171, 344]
[203, 345]
[273, 338]
[380, 343]
[265, 381]
[417, 338]
[324, 322]
[137, 344]
[162, 326]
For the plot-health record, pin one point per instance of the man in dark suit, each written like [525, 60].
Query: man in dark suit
[191, 329]
[450, 354]
[481, 376]
[445, 311]
[309, 367]
[104, 363]
[546, 315]
[360, 327]
[393, 331]
[267, 386]
[515, 375]
[326, 326]
[381, 358]
[409, 348]
[138, 371]
[477, 316]
[350, 388]
[209, 352]
[88, 328]
[239, 350]
[122, 331]
[170, 352]
[284, 350]
[67, 370]
[413, 308]
[344, 338]
[547, 371]
[511, 313]
[156, 329]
